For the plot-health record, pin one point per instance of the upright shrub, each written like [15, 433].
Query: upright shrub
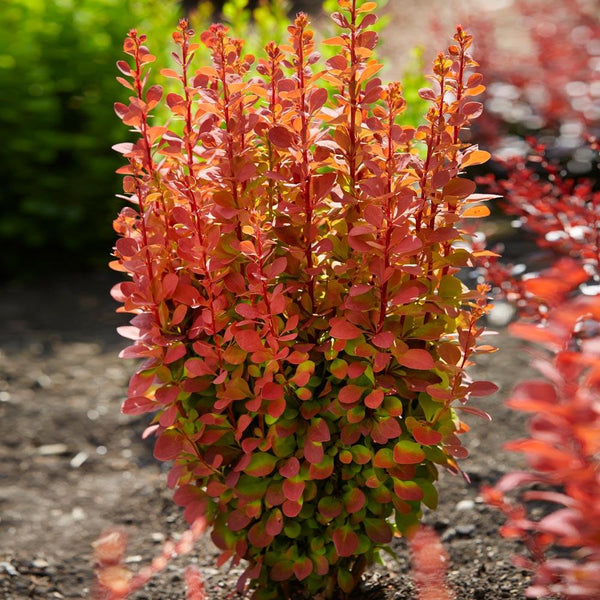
[292, 258]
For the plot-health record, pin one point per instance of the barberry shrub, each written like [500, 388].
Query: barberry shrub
[292, 259]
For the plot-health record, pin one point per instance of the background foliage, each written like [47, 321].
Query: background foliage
[57, 168]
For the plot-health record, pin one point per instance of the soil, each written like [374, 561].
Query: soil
[72, 465]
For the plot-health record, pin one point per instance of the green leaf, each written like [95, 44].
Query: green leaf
[450, 287]
[345, 579]
[292, 529]
[261, 464]
[430, 493]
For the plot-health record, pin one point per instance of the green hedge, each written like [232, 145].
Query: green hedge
[57, 75]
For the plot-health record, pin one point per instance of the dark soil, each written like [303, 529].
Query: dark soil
[71, 465]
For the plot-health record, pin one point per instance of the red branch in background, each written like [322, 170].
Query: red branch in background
[562, 214]
[114, 581]
[550, 80]
[563, 454]
[429, 565]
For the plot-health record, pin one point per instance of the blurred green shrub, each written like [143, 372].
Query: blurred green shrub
[57, 75]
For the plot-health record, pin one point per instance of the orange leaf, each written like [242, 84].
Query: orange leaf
[476, 212]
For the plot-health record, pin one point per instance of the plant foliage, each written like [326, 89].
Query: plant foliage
[292, 259]
[562, 452]
[57, 75]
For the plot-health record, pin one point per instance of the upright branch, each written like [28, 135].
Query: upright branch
[352, 72]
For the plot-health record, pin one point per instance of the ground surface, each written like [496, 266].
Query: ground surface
[72, 465]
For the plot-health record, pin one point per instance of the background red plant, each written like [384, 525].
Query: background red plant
[562, 453]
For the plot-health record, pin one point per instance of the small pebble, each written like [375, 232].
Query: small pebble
[465, 530]
[39, 563]
[136, 558]
[8, 568]
[78, 514]
[79, 459]
[52, 449]
[465, 505]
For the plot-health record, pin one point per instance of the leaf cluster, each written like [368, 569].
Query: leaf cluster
[561, 211]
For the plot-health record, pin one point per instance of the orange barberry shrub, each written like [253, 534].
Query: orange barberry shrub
[291, 251]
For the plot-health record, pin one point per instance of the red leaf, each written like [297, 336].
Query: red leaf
[274, 524]
[345, 541]
[276, 408]
[319, 431]
[293, 490]
[385, 339]
[426, 435]
[459, 187]
[408, 453]
[313, 451]
[343, 330]
[169, 445]
[407, 490]
[384, 459]
[416, 359]
[248, 340]
[303, 567]
[174, 352]
[482, 388]
[386, 429]
[187, 294]
[282, 570]
[473, 410]
[356, 369]
[137, 405]
[378, 530]
[281, 137]
[322, 470]
[272, 391]
[261, 464]
[472, 109]
[197, 367]
[291, 508]
[354, 500]
[258, 536]
[238, 520]
[427, 94]
[374, 399]
[350, 394]
[407, 295]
